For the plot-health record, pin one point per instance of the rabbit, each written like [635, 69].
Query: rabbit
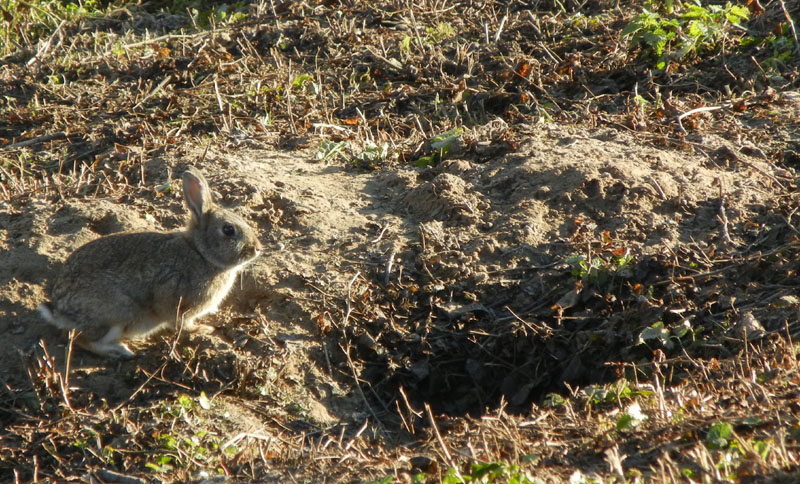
[128, 285]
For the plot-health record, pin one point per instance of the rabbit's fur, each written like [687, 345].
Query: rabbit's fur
[128, 285]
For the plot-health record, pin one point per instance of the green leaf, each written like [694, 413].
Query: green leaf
[405, 44]
[632, 417]
[385, 480]
[300, 80]
[161, 464]
[444, 140]
[425, 161]
[481, 470]
[737, 13]
[451, 477]
[625, 422]
[656, 332]
[596, 394]
[630, 28]
[204, 402]
[682, 330]
[168, 441]
[695, 11]
[753, 421]
[672, 23]
[719, 435]
[762, 447]
[373, 154]
[656, 41]
[186, 401]
[553, 400]
[531, 459]
[699, 30]
[330, 150]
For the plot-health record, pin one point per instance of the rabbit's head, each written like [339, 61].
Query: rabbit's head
[222, 237]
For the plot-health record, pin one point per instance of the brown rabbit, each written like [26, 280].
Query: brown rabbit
[128, 285]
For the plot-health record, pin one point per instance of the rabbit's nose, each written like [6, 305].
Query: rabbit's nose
[253, 251]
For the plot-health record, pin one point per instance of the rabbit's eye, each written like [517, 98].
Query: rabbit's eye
[229, 230]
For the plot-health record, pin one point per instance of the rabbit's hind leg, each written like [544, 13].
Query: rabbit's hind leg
[109, 345]
[192, 326]
[90, 338]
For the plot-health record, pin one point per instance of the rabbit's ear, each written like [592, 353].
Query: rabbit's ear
[196, 193]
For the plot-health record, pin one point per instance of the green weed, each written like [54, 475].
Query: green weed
[632, 417]
[301, 81]
[161, 465]
[675, 32]
[441, 32]
[780, 46]
[374, 154]
[440, 146]
[24, 24]
[489, 472]
[598, 270]
[719, 435]
[205, 15]
[663, 336]
[616, 392]
[369, 156]
[331, 150]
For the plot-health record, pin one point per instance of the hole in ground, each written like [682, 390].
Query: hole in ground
[513, 348]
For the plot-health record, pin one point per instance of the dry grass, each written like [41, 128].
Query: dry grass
[91, 93]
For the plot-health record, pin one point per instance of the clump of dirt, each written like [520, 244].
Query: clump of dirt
[446, 197]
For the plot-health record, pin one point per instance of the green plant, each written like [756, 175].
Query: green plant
[553, 400]
[301, 80]
[598, 270]
[489, 472]
[373, 154]
[613, 392]
[680, 30]
[632, 417]
[218, 14]
[405, 46]
[330, 150]
[719, 435]
[161, 464]
[24, 24]
[441, 32]
[168, 441]
[780, 47]
[440, 146]
[662, 335]
[185, 405]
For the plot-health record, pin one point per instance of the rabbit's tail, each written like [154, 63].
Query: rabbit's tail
[46, 311]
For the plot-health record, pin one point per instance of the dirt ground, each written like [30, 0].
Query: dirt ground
[582, 288]
[498, 232]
